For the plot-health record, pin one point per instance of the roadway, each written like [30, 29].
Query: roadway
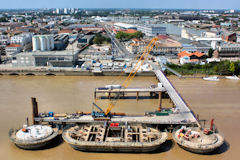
[121, 49]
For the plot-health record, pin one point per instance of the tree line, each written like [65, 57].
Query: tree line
[216, 68]
[127, 36]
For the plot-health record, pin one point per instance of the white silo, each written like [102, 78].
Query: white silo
[52, 42]
[48, 43]
[43, 43]
[36, 45]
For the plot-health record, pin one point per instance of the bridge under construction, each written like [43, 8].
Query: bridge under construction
[182, 114]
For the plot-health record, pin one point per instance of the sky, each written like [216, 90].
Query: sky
[171, 4]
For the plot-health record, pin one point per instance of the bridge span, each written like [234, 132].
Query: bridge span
[176, 98]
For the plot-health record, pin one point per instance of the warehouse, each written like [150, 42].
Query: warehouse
[47, 58]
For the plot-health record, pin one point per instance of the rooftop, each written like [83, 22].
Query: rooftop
[185, 53]
[160, 43]
[14, 45]
[125, 25]
[65, 31]
[49, 53]
[129, 31]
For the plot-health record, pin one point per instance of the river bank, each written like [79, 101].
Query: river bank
[67, 72]
[215, 68]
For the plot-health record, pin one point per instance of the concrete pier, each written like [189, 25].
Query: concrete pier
[124, 91]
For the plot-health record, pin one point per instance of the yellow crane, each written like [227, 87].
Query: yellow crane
[130, 77]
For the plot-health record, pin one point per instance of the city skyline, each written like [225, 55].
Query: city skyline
[151, 4]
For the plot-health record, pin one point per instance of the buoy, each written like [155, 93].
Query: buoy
[24, 129]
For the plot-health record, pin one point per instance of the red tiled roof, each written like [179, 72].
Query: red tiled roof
[185, 53]
[130, 31]
[198, 54]
[65, 31]
[14, 45]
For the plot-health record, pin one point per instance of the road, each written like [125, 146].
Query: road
[121, 49]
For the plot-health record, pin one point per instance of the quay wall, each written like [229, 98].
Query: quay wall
[63, 72]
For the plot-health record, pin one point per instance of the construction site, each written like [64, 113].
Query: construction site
[107, 131]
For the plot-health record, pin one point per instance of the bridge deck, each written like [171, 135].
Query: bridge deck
[130, 90]
[175, 96]
[177, 118]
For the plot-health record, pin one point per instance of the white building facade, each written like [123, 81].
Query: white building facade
[152, 30]
[22, 39]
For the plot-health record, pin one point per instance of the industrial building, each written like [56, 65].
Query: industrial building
[152, 30]
[193, 46]
[46, 58]
[43, 43]
[124, 26]
[87, 39]
[228, 50]
[61, 41]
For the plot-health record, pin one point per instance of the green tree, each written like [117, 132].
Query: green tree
[121, 35]
[3, 19]
[126, 36]
[210, 53]
[99, 39]
[188, 66]
[237, 68]
[232, 68]
[216, 68]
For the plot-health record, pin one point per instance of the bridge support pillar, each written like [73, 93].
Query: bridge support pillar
[151, 94]
[34, 110]
[159, 101]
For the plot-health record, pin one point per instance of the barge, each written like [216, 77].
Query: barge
[33, 137]
[113, 137]
[197, 140]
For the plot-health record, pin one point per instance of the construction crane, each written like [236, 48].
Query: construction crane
[127, 81]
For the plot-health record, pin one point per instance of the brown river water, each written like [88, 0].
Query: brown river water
[218, 100]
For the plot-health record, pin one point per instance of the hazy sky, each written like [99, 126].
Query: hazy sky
[185, 4]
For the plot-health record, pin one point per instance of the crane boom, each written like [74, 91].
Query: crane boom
[134, 71]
